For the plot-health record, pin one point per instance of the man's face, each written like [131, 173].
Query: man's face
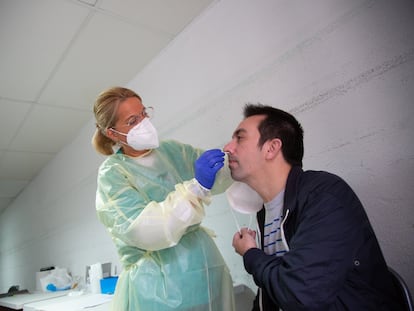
[245, 157]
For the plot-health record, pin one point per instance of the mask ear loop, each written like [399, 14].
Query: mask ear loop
[250, 222]
[115, 131]
[235, 220]
[237, 223]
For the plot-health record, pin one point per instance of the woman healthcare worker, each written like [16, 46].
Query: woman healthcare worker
[151, 198]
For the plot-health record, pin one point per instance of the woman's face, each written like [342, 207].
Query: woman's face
[130, 112]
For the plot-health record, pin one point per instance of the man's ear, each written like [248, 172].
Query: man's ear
[273, 148]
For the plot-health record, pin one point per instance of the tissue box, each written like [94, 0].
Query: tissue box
[108, 284]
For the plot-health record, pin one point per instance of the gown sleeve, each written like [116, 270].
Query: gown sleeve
[134, 215]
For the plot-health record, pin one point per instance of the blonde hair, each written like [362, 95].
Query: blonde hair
[105, 111]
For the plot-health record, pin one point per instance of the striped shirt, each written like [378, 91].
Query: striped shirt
[273, 244]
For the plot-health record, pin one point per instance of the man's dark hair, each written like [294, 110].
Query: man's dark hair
[282, 125]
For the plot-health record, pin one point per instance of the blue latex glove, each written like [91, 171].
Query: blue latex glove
[207, 166]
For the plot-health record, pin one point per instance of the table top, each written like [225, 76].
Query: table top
[93, 302]
[18, 301]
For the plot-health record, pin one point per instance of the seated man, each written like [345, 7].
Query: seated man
[318, 250]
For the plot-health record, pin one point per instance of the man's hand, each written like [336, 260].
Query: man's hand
[244, 240]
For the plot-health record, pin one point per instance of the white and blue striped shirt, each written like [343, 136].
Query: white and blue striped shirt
[273, 244]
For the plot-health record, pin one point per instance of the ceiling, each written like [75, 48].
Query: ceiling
[56, 56]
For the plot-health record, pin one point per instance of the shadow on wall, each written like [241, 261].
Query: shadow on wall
[244, 297]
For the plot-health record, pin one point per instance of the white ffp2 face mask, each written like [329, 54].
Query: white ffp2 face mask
[142, 136]
[243, 199]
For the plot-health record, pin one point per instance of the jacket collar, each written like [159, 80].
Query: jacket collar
[291, 189]
[289, 199]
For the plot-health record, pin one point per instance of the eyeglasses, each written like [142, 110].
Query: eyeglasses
[147, 112]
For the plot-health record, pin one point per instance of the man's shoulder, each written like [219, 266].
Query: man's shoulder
[314, 179]
[320, 175]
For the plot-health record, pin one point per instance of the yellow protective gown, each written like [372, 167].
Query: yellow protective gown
[152, 206]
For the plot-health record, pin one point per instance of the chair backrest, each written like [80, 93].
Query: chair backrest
[403, 288]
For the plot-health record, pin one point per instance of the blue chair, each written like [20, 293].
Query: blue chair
[403, 288]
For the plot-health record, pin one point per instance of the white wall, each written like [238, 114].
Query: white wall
[344, 68]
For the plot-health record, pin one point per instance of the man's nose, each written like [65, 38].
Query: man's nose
[227, 147]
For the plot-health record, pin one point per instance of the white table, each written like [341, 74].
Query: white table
[17, 302]
[93, 302]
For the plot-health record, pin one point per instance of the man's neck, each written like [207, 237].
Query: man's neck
[271, 181]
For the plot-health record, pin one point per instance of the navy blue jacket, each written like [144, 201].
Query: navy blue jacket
[334, 261]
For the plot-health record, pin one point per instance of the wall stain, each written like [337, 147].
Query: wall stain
[356, 81]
